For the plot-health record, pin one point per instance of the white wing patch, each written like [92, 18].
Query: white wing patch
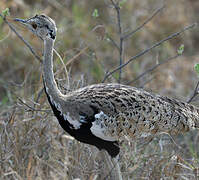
[99, 129]
[100, 115]
[76, 124]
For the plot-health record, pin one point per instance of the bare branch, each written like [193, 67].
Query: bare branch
[145, 22]
[150, 48]
[146, 82]
[32, 108]
[121, 44]
[39, 95]
[76, 56]
[64, 66]
[20, 37]
[113, 41]
[195, 93]
[153, 68]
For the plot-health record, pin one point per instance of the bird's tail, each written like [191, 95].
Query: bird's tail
[190, 113]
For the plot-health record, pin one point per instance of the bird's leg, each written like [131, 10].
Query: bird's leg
[117, 167]
[113, 166]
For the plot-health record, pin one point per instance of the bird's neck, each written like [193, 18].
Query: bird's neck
[48, 75]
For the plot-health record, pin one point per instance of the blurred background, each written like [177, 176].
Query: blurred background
[34, 146]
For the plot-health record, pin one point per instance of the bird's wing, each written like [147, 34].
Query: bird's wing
[96, 123]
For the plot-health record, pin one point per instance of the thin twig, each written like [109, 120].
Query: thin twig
[113, 41]
[4, 38]
[152, 69]
[146, 82]
[64, 66]
[121, 44]
[150, 48]
[31, 108]
[39, 95]
[195, 93]
[20, 37]
[77, 55]
[145, 22]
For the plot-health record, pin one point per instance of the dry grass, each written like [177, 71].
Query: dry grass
[33, 145]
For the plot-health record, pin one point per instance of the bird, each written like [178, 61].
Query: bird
[103, 114]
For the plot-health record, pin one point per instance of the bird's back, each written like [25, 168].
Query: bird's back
[123, 110]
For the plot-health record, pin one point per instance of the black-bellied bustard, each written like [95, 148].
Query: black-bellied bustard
[102, 114]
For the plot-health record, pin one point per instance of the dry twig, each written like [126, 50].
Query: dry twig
[153, 68]
[121, 43]
[195, 93]
[142, 25]
[32, 108]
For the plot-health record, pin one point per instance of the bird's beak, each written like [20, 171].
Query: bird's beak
[23, 22]
[20, 20]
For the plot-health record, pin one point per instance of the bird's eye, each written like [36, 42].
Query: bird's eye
[34, 25]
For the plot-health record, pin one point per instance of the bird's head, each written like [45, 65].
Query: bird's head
[41, 25]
